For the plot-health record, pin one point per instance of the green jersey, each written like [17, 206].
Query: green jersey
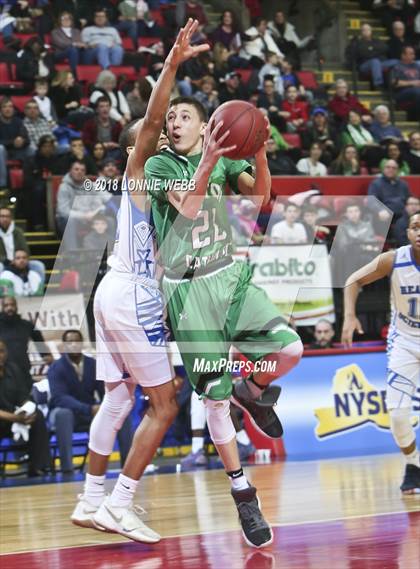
[186, 244]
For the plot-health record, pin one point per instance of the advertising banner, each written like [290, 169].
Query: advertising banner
[335, 406]
[297, 279]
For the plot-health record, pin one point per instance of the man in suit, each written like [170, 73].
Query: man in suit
[75, 398]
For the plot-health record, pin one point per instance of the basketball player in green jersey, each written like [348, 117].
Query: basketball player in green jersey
[212, 303]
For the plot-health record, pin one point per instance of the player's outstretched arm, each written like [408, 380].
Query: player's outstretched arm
[152, 124]
[189, 203]
[258, 189]
[380, 267]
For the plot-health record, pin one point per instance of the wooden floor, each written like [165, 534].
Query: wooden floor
[320, 505]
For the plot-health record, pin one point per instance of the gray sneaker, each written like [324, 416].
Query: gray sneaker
[255, 529]
[198, 458]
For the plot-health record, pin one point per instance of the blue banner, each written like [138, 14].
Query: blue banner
[334, 406]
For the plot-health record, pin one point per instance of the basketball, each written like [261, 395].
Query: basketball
[246, 125]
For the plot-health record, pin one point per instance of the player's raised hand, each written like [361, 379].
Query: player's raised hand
[351, 324]
[182, 48]
[213, 147]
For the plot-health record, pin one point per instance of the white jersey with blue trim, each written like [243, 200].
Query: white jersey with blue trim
[133, 251]
[405, 295]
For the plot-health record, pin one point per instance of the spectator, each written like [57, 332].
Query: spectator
[279, 163]
[286, 38]
[77, 152]
[289, 231]
[109, 172]
[391, 192]
[99, 236]
[75, 398]
[103, 42]
[412, 206]
[406, 75]
[397, 41]
[257, 41]
[343, 102]
[138, 98]
[102, 128]
[36, 169]
[17, 332]
[208, 95]
[347, 162]
[136, 20]
[11, 239]
[381, 128]
[156, 60]
[393, 152]
[319, 130]
[370, 55]
[392, 10]
[296, 113]
[311, 166]
[314, 233]
[192, 71]
[221, 62]
[106, 86]
[25, 281]
[233, 88]
[99, 153]
[65, 95]
[248, 226]
[81, 11]
[44, 103]
[13, 134]
[3, 168]
[356, 134]
[227, 34]
[412, 155]
[14, 392]
[34, 62]
[35, 125]
[191, 9]
[73, 214]
[67, 41]
[272, 70]
[323, 335]
[271, 101]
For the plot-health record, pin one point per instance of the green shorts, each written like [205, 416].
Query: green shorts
[210, 313]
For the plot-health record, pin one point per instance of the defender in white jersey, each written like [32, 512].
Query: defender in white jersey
[130, 340]
[403, 266]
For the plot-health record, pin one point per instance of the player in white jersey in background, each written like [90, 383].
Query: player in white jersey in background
[130, 341]
[403, 266]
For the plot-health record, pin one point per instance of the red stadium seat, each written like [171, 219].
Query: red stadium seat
[158, 17]
[245, 74]
[147, 42]
[70, 281]
[19, 101]
[62, 67]
[127, 70]
[127, 44]
[88, 73]
[292, 139]
[307, 79]
[16, 178]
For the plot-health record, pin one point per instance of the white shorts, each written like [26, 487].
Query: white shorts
[130, 339]
[403, 371]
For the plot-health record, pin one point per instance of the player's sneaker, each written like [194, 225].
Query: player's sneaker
[256, 531]
[245, 451]
[125, 521]
[260, 409]
[198, 458]
[411, 482]
[83, 514]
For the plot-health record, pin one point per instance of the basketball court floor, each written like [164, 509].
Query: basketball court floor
[332, 514]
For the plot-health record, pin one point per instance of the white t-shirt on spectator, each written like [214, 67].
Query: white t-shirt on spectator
[306, 166]
[23, 288]
[285, 233]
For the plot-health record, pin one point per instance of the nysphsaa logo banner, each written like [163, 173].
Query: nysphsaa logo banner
[354, 402]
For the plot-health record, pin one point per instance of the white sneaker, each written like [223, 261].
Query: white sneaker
[83, 514]
[125, 521]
